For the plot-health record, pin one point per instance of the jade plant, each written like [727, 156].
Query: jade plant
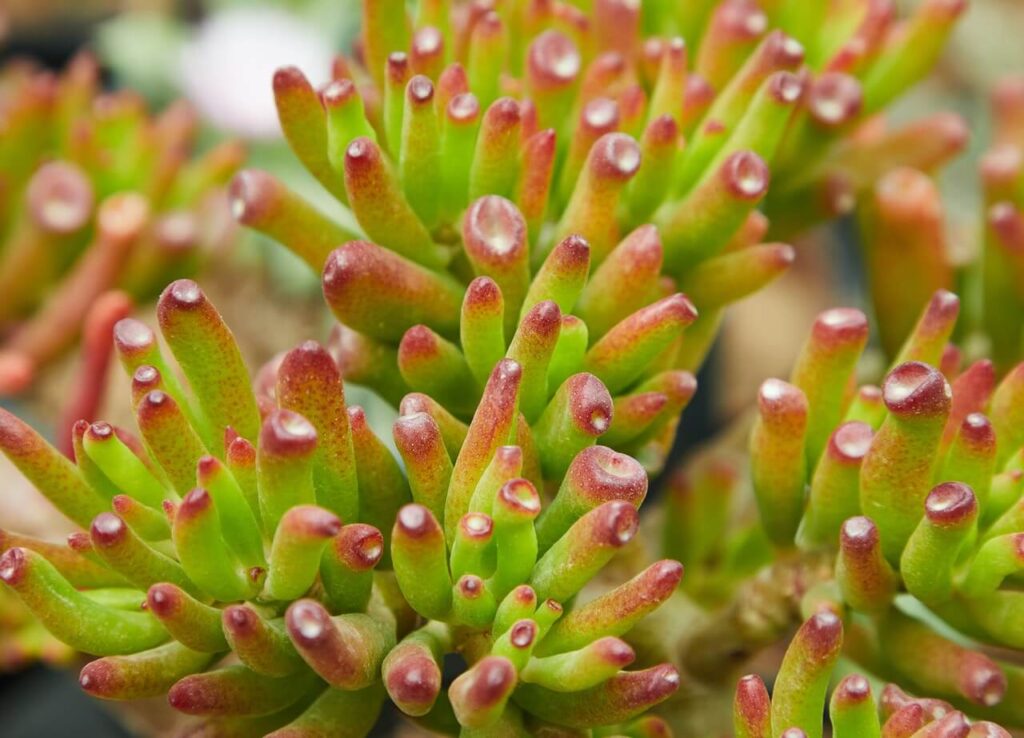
[905, 220]
[595, 119]
[894, 509]
[539, 198]
[273, 525]
[854, 709]
[95, 194]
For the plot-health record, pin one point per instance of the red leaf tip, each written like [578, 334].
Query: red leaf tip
[307, 620]
[520, 496]
[523, 633]
[950, 503]
[13, 565]
[416, 520]
[107, 529]
[554, 59]
[850, 441]
[859, 534]
[914, 388]
[746, 175]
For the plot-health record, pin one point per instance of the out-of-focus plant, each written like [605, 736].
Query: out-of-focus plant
[273, 525]
[897, 509]
[220, 53]
[95, 194]
[905, 230]
[830, 173]
[220, 56]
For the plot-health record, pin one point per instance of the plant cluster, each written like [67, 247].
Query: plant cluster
[539, 199]
[96, 194]
[595, 124]
[894, 509]
[333, 577]
[799, 694]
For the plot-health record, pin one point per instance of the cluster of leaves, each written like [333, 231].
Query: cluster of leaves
[798, 698]
[594, 122]
[232, 541]
[95, 194]
[897, 509]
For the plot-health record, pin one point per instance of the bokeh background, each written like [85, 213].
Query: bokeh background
[220, 54]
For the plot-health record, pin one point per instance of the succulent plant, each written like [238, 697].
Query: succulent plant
[595, 125]
[95, 194]
[894, 509]
[799, 696]
[905, 219]
[332, 576]
[529, 244]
